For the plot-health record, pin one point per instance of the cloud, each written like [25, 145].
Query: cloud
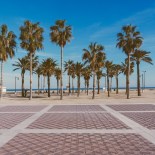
[136, 19]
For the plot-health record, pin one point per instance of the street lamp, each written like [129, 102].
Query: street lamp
[142, 82]
[15, 82]
[144, 79]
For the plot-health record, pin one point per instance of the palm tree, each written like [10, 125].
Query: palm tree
[129, 40]
[117, 70]
[61, 34]
[7, 48]
[57, 74]
[78, 72]
[99, 75]
[87, 74]
[138, 56]
[22, 64]
[125, 70]
[48, 66]
[94, 57]
[31, 40]
[68, 68]
[108, 66]
[38, 71]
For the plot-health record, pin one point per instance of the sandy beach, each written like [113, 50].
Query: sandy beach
[148, 96]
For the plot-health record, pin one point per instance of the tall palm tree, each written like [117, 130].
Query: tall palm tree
[31, 37]
[99, 75]
[94, 57]
[38, 71]
[57, 74]
[68, 68]
[7, 48]
[138, 56]
[87, 75]
[61, 34]
[78, 72]
[129, 40]
[108, 66]
[48, 66]
[117, 70]
[22, 64]
[125, 70]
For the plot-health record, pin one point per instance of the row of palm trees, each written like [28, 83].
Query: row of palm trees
[94, 57]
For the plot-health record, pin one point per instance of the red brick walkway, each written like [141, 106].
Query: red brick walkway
[77, 130]
[78, 144]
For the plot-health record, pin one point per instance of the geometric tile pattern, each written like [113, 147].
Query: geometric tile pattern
[135, 107]
[78, 121]
[22, 108]
[146, 119]
[78, 144]
[9, 120]
[76, 108]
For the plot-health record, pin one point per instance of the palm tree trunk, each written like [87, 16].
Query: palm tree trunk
[38, 84]
[138, 79]
[72, 86]
[105, 84]
[126, 84]
[108, 84]
[57, 86]
[22, 85]
[87, 86]
[1, 94]
[78, 83]
[44, 84]
[93, 85]
[30, 76]
[128, 77]
[98, 83]
[61, 79]
[116, 84]
[69, 85]
[48, 77]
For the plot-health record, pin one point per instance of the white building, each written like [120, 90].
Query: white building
[3, 90]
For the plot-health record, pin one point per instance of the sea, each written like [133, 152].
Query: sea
[54, 89]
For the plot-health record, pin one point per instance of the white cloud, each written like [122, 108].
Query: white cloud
[136, 19]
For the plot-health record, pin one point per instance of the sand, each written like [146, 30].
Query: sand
[148, 96]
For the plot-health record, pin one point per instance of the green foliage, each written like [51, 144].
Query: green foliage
[61, 33]
[31, 37]
[7, 43]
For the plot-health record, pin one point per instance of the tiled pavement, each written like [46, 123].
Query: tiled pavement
[77, 130]
[146, 119]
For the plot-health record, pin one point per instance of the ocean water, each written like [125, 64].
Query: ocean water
[54, 89]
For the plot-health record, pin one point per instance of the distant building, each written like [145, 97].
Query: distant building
[3, 89]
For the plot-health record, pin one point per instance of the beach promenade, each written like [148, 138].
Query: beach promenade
[78, 126]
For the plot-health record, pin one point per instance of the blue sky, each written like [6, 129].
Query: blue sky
[92, 21]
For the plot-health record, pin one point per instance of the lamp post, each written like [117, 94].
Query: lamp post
[15, 82]
[142, 83]
[144, 79]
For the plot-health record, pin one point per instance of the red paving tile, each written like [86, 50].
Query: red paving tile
[135, 107]
[146, 119]
[78, 144]
[9, 120]
[22, 108]
[77, 121]
[76, 108]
